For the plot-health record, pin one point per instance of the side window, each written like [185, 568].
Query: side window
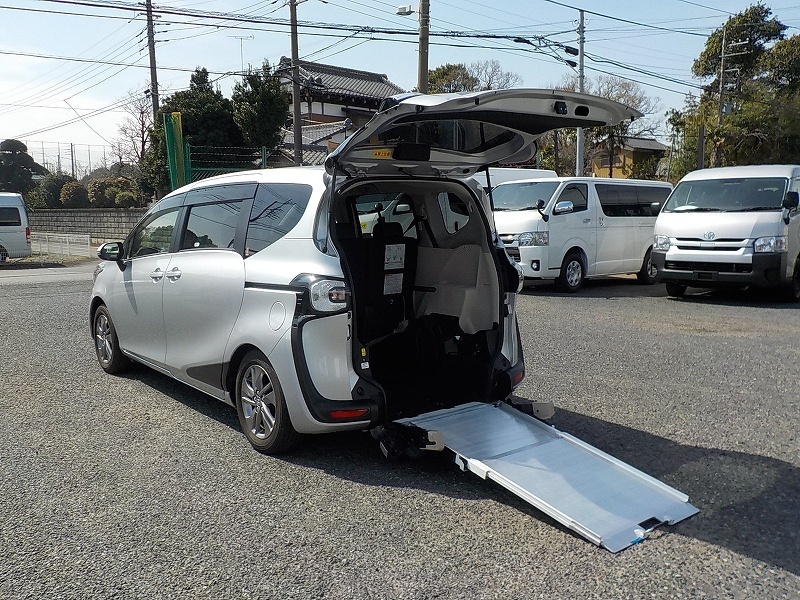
[649, 194]
[578, 194]
[455, 211]
[154, 235]
[277, 208]
[211, 226]
[9, 216]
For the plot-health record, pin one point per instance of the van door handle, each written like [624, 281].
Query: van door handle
[587, 220]
[157, 275]
[174, 274]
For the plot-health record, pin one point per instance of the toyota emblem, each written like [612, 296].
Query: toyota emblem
[709, 235]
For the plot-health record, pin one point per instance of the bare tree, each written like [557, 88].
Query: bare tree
[491, 76]
[134, 132]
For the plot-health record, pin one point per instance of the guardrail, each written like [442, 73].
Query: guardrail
[60, 244]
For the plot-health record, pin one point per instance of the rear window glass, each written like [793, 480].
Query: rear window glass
[9, 216]
[211, 226]
[728, 195]
[277, 208]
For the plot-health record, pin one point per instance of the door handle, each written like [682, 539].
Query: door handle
[157, 275]
[174, 274]
[587, 220]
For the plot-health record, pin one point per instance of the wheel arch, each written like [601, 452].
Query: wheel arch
[231, 367]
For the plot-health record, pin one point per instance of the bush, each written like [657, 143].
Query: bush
[74, 195]
[47, 193]
[127, 200]
[106, 192]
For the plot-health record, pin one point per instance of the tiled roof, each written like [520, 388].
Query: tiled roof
[315, 149]
[339, 81]
[634, 143]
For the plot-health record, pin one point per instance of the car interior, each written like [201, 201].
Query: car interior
[425, 290]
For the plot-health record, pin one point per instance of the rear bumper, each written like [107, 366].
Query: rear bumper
[763, 270]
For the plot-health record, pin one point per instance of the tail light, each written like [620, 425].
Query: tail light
[28, 235]
[325, 294]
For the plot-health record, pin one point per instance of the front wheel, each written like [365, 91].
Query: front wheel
[261, 407]
[793, 291]
[106, 343]
[676, 290]
[572, 276]
[648, 273]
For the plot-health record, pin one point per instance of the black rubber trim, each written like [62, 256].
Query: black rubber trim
[210, 374]
[274, 286]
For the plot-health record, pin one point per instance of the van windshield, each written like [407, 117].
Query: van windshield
[523, 195]
[728, 195]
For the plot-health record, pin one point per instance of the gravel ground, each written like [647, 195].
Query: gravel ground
[139, 487]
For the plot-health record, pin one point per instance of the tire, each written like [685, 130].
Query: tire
[676, 290]
[3, 255]
[792, 293]
[572, 273]
[106, 343]
[648, 274]
[261, 407]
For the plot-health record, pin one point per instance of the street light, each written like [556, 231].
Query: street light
[424, 31]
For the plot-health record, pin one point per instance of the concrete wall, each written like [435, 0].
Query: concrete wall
[102, 224]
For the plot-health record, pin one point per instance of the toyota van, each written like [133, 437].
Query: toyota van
[15, 233]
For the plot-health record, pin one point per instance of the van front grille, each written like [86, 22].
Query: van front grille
[685, 265]
[513, 253]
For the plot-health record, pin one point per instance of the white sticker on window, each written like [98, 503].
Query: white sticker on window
[395, 256]
[393, 283]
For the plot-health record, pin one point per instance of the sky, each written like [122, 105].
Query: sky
[67, 70]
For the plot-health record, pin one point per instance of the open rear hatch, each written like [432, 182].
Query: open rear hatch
[608, 502]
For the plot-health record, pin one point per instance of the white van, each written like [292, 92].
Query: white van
[731, 226]
[573, 228]
[15, 234]
[498, 175]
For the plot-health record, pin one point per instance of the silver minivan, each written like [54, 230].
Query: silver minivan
[731, 226]
[319, 300]
[15, 232]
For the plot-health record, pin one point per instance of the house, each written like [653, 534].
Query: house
[318, 141]
[332, 94]
[628, 153]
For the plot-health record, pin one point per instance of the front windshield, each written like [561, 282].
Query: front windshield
[522, 195]
[728, 195]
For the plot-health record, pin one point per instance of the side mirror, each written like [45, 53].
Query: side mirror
[112, 251]
[402, 209]
[563, 207]
[540, 204]
[655, 208]
[791, 200]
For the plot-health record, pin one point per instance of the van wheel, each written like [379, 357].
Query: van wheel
[106, 343]
[676, 290]
[793, 291]
[571, 278]
[648, 273]
[261, 407]
[3, 255]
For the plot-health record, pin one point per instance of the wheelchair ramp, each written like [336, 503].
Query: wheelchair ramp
[603, 499]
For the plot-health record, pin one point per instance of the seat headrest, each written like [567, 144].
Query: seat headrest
[387, 229]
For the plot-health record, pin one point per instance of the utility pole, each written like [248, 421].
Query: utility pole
[297, 121]
[424, 32]
[151, 46]
[581, 87]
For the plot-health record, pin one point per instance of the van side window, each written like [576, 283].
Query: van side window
[9, 216]
[578, 194]
[154, 236]
[277, 208]
[454, 211]
[211, 226]
[619, 200]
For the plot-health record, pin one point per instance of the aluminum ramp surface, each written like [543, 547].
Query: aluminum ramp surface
[603, 499]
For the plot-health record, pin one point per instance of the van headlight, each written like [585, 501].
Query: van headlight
[661, 242]
[773, 243]
[534, 238]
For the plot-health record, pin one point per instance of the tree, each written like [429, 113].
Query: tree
[17, 167]
[756, 119]
[112, 192]
[207, 120]
[481, 75]
[260, 107]
[74, 195]
[134, 133]
[47, 193]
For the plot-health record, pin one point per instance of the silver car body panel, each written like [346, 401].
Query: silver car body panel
[605, 500]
